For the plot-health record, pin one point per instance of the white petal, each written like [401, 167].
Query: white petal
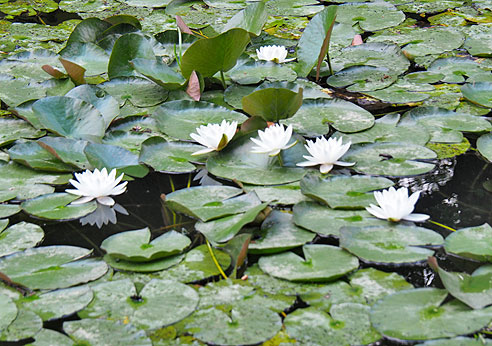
[83, 200]
[105, 200]
[376, 211]
[416, 217]
[325, 168]
[345, 164]
[307, 163]
[203, 151]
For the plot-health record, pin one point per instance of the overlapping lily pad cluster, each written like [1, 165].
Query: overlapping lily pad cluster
[130, 94]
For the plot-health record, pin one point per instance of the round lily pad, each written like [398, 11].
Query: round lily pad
[471, 242]
[138, 91]
[25, 325]
[326, 221]
[389, 244]
[286, 194]
[9, 311]
[347, 324]
[143, 267]
[56, 206]
[390, 159]
[52, 267]
[315, 117]
[32, 155]
[12, 129]
[254, 72]
[48, 337]
[278, 233]
[459, 341]
[47, 305]
[484, 146]
[103, 332]
[362, 78]
[234, 327]
[179, 119]
[479, 93]
[425, 317]
[19, 237]
[370, 16]
[135, 246]
[343, 191]
[321, 263]
[159, 303]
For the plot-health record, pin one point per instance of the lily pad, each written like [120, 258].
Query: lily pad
[211, 202]
[484, 146]
[52, 267]
[278, 233]
[19, 237]
[123, 89]
[135, 246]
[347, 324]
[344, 192]
[225, 228]
[237, 162]
[471, 242]
[391, 159]
[48, 337]
[254, 72]
[102, 332]
[251, 19]
[315, 117]
[479, 93]
[143, 267]
[159, 303]
[32, 155]
[454, 69]
[70, 117]
[25, 325]
[371, 16]
[180, 118]
[9, 311]
[390, 244]
[55, 206]
[321, 263]
[126, 48]
[326, 221]
[286, 194]
[12, 129]
[425, 317]
[67, 150]
[47, 305]
[362, 78]
[159, 72]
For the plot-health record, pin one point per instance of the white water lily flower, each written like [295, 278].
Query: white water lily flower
[395, 205]
[273, 53]
[98, 185]
[272, 140]
[214, 136]
[325, 153]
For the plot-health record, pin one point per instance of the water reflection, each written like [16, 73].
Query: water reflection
[103, 215]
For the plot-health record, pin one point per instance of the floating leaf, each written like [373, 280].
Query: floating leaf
[159, 72]
[479, 93]
[371, 16]
[25, 325]
[55, 206]
[471, 242]
[143, 267]
[123, 89]
[19, 237]
[484, 146]
[9, 311]
[126, 48]
[12, 129]
[251, 19]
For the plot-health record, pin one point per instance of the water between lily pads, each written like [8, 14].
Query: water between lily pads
[456, 194]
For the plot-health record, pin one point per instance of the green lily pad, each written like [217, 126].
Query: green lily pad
[325, 296]
[478, 41]
[347, 323]
[55, 206]
[293, 7]
[7, 210]
[170, 157]
[388, 129]
[459, 341]
[19, 237]
[70, 151]
[479, 93]
[322, 263]
[70, 117]
[102, 332]
[425, 317]
[135, 246]
[197, 265]
[180, 118]
[158, 303]
[234, 326]
[87, 55]
[123, 89]
[48, 337]
[252, 18]
[105, 103]
[474, 290]
[278, 233]
[211, 202]
[389, 244]
[52, 267]
[444, 125]
[19, 90]
[471, 242]
[159, 72]
[390, 159]
[286, 194]
[326, 221]
[25, 325]
[143, 267]
[273, 101]
[362, 78]
[349, 192]
[237, 162]
[315, 117]
[402, 93]
[12, 129]
[376, 284]
[126, 48]
[9, 311]
[484, 146]
[32, 155]
[370, 16]
[454, 69]
[254, 72]
[225, 228]
[314, 42]
[47, 305]
[111, 156]
[211, 55]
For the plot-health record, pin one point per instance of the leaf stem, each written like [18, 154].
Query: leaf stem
[329, 63]
[280, 161]
[222, 79]
[443, 226]
[215, 259]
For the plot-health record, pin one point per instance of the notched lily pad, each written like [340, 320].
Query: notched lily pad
[471, 242]
[19, 237]
[56, 206]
